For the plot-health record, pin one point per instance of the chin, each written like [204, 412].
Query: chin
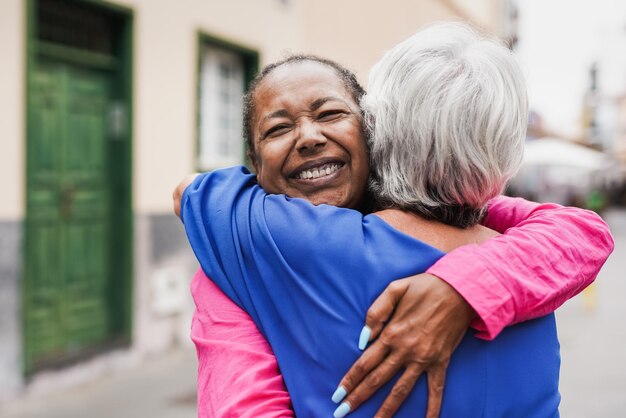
[329, 200]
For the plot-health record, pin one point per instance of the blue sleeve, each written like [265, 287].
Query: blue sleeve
[270, 252]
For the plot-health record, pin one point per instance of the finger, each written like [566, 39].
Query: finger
[176, 198]
[436, 382]
[399, 392]
[369, 360]
[177, 195]
[380, 311]
[180, 189]
[373, 381]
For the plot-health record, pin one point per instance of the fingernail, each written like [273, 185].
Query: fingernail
[364, 337]
[339, 394]
[342, 410]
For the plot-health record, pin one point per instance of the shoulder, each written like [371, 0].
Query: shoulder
[434, 233]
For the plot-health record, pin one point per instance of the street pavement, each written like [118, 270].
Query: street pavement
[592, 331]
[161, 387]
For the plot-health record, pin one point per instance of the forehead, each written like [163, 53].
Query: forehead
[298, 84]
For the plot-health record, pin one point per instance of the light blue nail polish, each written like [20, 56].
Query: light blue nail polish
[364, 338]
[342, 410]
[339, 394]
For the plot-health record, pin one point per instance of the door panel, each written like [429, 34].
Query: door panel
[85, 226]
[44, 332]
[67, 256]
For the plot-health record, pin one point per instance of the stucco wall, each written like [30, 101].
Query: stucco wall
[357, 33]
[12, 57]
[164, 265]
[10, 309]
[11, 192]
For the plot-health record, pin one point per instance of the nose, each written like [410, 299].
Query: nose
[310, 138]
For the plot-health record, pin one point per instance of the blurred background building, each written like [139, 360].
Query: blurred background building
[106, 105]
[573, 54]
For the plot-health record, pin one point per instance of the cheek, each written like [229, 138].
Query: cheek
[360, 157]
[273, 154]
[361, 170]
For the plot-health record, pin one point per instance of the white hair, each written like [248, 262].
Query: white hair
[446, 111]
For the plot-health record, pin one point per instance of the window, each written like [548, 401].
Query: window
[223, 77]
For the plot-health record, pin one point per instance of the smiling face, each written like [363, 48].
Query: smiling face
[307, 136]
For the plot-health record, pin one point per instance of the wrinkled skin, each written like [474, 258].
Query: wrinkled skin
[304, 120]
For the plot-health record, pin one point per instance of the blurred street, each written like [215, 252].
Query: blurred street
[593, 336]
[163, 387]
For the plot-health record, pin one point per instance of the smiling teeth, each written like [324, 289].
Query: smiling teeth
[318, 172]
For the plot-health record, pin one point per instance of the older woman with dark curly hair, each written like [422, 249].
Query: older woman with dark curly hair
[447, 113]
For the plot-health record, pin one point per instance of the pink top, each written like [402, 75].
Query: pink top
[238, 375]
[550, 255]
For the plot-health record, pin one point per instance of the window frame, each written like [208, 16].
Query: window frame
[250, 59]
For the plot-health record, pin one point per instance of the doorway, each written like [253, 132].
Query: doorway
[78, 248]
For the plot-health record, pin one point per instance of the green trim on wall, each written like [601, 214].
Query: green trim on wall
[31, 30]
[120, 66]
[128, 238]
[76, 56]
[251, 59]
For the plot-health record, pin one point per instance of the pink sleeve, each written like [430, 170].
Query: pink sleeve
[546, 255]
[238, 375]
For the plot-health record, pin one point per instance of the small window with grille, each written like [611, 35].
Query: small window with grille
[78, 25]
[222, 83]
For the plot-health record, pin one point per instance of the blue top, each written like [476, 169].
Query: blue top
[307, 275]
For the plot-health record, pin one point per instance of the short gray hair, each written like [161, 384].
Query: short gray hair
[446, 111]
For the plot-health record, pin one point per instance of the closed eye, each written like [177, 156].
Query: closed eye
[330, 115]
[278, 130]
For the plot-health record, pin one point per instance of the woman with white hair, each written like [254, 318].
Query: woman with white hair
[306, 298]
[448, 111]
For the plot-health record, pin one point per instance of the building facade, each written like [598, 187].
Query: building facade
[105, 105]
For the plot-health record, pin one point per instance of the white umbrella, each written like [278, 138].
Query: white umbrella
[556, 152]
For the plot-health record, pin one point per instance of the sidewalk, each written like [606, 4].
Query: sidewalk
[593, 337]
[163, 387]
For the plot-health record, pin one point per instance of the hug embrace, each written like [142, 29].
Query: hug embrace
[370, 266]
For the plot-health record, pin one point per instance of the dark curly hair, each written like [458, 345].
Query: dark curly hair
[346, 76]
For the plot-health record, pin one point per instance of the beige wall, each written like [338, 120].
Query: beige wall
[357, 33]
[12, 70]
[489, 14]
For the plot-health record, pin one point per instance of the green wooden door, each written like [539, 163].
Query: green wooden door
[67, 287]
